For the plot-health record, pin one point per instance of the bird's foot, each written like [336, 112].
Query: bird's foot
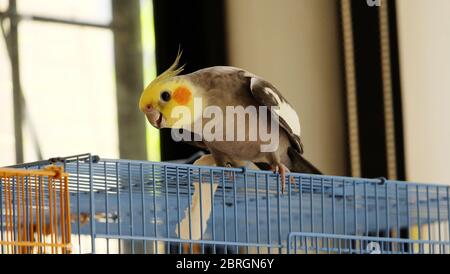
[229, 174]
[282, 170]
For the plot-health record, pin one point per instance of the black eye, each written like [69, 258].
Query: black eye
[165, 96]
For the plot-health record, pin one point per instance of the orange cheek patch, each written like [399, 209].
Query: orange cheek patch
[182, 95]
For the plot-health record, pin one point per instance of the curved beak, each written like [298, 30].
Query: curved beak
[154, 116]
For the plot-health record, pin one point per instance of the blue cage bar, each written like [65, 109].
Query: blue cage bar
[126, 206]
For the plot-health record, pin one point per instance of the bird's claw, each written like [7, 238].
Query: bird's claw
[282, 170]
[229, 174]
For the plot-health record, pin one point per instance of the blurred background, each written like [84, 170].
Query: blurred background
[370, 80]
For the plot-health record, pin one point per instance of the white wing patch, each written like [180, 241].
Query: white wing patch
[250, 75]
[286, 112]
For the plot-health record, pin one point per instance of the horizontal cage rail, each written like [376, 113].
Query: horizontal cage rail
[128, 206]
[35, 211]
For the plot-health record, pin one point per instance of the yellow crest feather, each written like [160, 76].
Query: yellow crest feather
[172, 71]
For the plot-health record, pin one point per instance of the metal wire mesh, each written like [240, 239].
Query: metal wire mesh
[35, 211]
[313, 243]
[123, 206]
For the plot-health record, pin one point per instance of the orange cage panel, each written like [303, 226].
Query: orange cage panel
[35, 211]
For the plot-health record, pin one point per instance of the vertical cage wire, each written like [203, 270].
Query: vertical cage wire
[312, 243]
[147, 207]
[35, 211]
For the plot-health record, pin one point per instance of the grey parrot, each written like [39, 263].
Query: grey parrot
[219, 88]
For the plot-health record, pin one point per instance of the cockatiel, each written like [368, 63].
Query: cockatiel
[224, 86]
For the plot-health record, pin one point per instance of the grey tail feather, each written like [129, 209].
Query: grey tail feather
[300, 164]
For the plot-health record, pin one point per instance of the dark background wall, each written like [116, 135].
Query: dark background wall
[369, 88]
[208, 34]
[198, 27]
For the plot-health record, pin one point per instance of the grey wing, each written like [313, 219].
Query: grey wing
[267, 95]
[198, 144]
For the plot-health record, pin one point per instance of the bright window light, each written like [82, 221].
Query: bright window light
[7, 143]
[68, 81]
[148, 45]
[94, 11]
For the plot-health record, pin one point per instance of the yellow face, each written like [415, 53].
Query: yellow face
[162, 102]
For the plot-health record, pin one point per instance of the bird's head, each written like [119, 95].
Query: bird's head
[164, 94]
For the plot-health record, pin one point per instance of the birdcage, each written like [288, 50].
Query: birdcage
[35, 211]
[125, 206]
